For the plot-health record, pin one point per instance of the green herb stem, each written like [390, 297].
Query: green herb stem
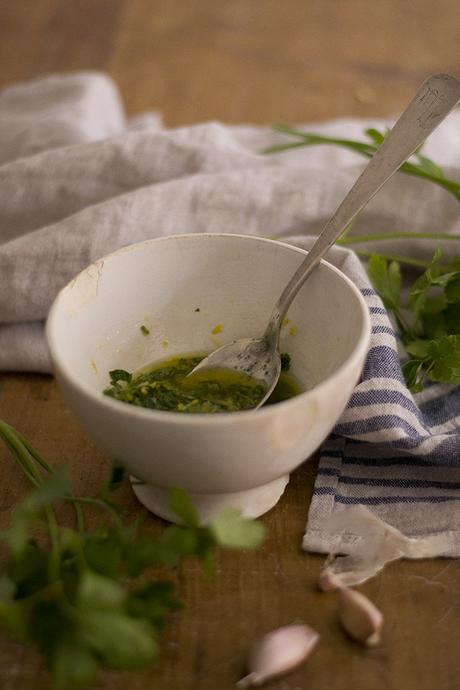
[19, 461]
[25, 460]
[405, 328]
[424, 168]
[25, 455]
[20, 454]
[95, 503]
[449, 185]
[345, 241]
[81, 522]
[34, 453]
[407, 260]
[53, 529]
[309, 139]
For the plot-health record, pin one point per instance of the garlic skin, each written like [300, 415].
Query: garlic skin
[359, 617]
[278, 652]
[369, 544]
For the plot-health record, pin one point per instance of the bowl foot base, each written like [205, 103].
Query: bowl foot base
[252, 503]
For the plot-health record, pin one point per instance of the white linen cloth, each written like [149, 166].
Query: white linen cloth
[77, 181]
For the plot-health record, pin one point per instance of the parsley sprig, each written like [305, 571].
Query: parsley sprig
[429, 320]
[87, 599]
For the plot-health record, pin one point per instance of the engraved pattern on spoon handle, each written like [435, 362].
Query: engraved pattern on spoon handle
[437, 96]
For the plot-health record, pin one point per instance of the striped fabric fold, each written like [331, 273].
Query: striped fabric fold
[394, 452]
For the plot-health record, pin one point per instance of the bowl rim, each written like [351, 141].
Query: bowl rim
[166, 416]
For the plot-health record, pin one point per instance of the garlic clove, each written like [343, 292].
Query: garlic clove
[278, 652]
[361, 619]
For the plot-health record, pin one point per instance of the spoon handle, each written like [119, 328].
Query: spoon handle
[436, 97]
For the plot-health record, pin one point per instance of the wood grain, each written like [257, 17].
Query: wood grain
[243, 61]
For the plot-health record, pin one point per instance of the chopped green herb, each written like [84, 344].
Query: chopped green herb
[145, 330]
[165, 387]
[285, 361]
[117, 375]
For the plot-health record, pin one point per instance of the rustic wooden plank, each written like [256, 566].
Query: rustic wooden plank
[22, 29]
[50, 36]
[267, 61]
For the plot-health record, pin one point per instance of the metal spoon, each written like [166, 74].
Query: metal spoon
[259, 357]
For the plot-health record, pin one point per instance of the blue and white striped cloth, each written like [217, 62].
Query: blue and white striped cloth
[396, 453]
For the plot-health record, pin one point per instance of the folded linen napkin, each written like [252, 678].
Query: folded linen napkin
[78, 181]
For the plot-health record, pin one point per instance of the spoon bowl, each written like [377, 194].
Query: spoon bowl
[250, 356]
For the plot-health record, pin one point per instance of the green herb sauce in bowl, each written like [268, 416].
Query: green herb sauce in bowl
[164, 386]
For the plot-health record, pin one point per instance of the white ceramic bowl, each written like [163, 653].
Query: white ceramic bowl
[181, 288]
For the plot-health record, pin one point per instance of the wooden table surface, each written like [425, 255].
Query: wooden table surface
[243, 61]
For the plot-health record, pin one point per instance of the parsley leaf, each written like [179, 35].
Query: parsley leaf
[183, 507]
[232, 530]
[452, 291]
[386, 278]
[432, 336]
[444, 359]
